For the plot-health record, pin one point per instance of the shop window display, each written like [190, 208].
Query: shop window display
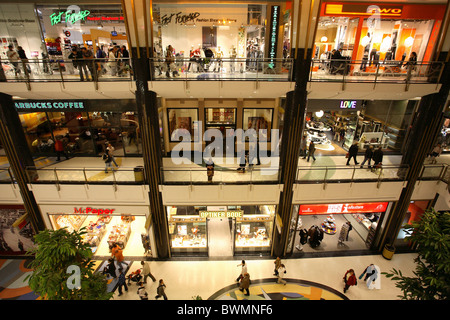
[258, 119]
[181, 124]
[187, 230]
[105, 230]
[414, 213]
[82, 133]
[16, 233]
[335, 227]
[254, 231]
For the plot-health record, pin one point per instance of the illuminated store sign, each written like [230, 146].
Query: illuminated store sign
[70, 16]
[221, 214]
[348, 104]
[306, 209]
[50, 105]
[273, 34]
[361, 10]
[89, 210]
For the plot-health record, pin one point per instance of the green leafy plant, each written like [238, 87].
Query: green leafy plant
[431, 279]
[197, 297]
[54, 253]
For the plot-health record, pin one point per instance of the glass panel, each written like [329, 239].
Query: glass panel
[187, 231]
[181, 124]
[254, 230]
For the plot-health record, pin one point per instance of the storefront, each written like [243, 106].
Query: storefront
[190, 119]
[16, 233]
[84, 126]
[221, 230]
[201, 31]
[444, 134]
[378, 32]
[50, 31]
[334, 125]
[105, 225]
[415, 211]
[324, 223]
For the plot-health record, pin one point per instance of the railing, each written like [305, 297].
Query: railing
[338, 174]
[347, 71]
[226, 175]
[222, 69]
[60, 70]
[222, 175]
[58, 176]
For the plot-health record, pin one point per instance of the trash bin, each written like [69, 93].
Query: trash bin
[139, 174]
[388, 251]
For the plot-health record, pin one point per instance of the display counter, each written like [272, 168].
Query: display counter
[253, 233]
[188, 233]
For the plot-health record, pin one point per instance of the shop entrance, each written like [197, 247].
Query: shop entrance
[220, 237]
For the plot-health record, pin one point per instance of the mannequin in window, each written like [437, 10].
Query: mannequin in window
[191, 57]
[218, 55]
[233, 56]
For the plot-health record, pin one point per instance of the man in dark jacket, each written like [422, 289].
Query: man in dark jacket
[352, 153]
[78, 62]
[368, 156]
[377, 158]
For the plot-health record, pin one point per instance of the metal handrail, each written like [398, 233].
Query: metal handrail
[344, 70]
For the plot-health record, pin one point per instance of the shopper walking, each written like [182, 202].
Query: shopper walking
[277, 263]
[349, 279]
[110, 268]
[143, 295]
[23, 57]
[59, 148]
[368, 156]
[122, 283]
[13, 58]
[303, 148]
[210, 169]
[110, 149]
[78, 63]
[88, 57]
[352, 153]
[146, 271]
[377, 158]
[281, 273]
[108, 161]
[245, 284]
[437, 150]
[161, 290]
[243, 270]
[117, 253]
[311, 150]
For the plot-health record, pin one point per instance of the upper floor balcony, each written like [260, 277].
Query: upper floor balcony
[226, 78]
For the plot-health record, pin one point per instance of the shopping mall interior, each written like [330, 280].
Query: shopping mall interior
[197, 134]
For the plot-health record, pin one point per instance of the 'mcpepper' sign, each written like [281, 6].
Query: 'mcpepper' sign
[89, 210]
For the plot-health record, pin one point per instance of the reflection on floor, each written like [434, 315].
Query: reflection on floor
[312, 278]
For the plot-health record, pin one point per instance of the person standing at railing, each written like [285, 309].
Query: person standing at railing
[13, 58]
[88, 57]
[78, 63]
[125, 58]
[23, 57]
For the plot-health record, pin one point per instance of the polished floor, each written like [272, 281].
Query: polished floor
[307, 279]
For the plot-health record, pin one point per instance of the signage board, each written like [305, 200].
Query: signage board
[39, 105]
[364, 9]
[221, 214]
[348, 104]
[89, 210]
[340, 208]
[273, 34]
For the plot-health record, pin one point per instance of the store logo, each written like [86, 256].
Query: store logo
[90, 210]
[50, 105]
[273, 40]
[73, 15]
[221, 214]
[216, 144]
[179, 18]
[348, 104]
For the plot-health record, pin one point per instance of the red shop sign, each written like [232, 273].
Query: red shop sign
[306, 209]
[89, 210]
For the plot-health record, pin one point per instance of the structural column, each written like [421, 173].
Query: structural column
[422, 137]
[302, 38]
[19, 157]
[139, 24]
